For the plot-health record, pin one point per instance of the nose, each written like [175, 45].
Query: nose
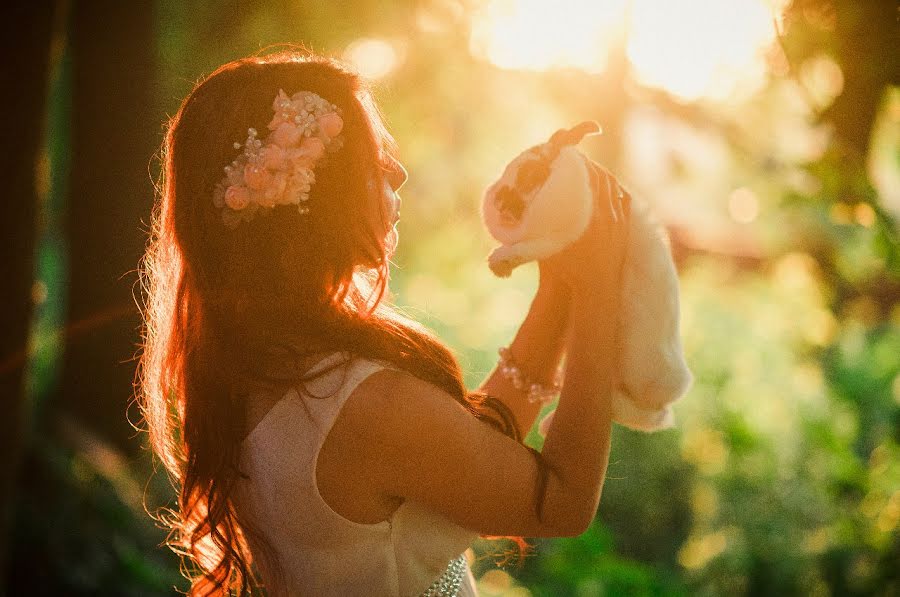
[396, 174]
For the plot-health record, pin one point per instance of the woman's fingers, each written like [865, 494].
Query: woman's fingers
[610, 193]
[600, 249]
[622, 201]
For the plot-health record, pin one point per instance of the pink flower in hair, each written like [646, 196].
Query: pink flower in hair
[286, 135]
[272, 195]
[237, 197]
[272, 157]
[280, 102]
[257, 177]
[313, 147]
[331, 125]
[279, 169]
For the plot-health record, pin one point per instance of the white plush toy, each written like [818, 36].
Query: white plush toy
[542, 203]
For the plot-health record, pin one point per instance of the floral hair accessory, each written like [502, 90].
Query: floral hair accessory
[279, 170]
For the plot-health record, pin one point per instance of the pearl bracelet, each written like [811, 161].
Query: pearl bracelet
[536, 392]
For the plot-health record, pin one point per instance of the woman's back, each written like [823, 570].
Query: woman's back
[321, 552]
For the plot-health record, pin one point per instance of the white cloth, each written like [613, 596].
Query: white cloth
[320, 552]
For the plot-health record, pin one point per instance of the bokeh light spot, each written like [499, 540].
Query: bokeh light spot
[372, 58]
[864, 214]
[743, 205]
[822, 78]
[697, 551]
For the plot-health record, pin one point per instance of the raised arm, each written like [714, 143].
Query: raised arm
[537, 347]
[426, 447]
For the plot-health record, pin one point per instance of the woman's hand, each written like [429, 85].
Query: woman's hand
[593, 263]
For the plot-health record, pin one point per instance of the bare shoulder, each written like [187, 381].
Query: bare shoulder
[394, 407]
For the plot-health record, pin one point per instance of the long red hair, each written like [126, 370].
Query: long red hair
[227, 311]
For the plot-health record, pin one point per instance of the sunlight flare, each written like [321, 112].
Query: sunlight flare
[528, 35]
[697, 48]
[692, 49]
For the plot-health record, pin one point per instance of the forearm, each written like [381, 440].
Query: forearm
[577, 446]
[537, 349]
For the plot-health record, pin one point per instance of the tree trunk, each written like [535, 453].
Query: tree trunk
[114, 136]
[26, 51]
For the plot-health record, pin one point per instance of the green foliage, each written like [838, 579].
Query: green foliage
[589, 565]
[81, 528]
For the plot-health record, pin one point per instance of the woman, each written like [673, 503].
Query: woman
[321, 443]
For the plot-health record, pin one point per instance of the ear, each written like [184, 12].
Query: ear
[574, 135]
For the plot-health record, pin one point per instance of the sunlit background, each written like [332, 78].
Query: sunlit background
[766, 136]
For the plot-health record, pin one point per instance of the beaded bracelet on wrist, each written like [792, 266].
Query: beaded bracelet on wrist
[537, 392]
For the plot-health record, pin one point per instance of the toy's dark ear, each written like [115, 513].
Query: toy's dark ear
[574, 135]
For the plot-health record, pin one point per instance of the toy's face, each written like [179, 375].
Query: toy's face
[521, 180]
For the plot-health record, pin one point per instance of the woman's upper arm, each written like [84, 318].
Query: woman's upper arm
[427, 447]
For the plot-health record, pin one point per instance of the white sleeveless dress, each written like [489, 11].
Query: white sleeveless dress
[321, 553]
